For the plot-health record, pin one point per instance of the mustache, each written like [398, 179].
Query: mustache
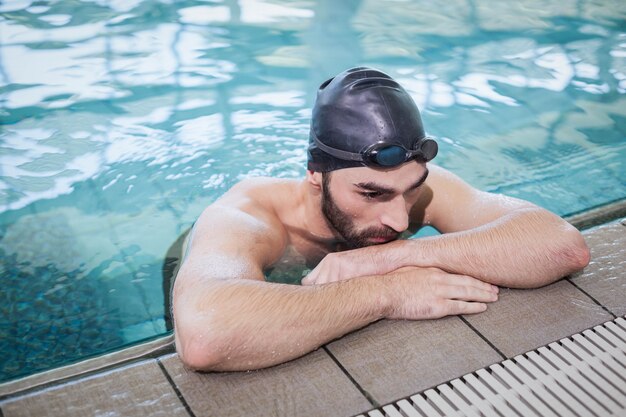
[386, 233]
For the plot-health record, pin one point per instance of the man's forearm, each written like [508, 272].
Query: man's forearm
[526, 248]
[244, 324]
[239, 324]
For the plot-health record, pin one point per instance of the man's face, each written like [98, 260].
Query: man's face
[368, 206]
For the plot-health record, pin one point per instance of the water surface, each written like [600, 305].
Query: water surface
[121, 120]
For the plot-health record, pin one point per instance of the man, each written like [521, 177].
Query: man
[367, 182]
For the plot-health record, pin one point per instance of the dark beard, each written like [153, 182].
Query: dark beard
[343, 224]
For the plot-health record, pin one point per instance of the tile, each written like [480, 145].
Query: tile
[136, 390]
[394, 359]
[605, 277]
[522, 320]
[310, 386]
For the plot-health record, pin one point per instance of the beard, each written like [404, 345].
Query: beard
[344, 224]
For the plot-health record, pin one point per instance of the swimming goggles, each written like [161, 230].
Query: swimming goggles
[384, 154]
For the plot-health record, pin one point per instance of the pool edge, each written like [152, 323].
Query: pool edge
[142, 351]
[598, 215]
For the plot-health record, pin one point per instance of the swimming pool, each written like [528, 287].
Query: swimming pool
[121, 120]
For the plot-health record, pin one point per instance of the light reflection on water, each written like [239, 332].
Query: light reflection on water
[122, 120]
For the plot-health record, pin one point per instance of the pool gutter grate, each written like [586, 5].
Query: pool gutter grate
[581, 375]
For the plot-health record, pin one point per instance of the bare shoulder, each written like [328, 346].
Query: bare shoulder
[241, 228]
[455, 205]
[261, 197]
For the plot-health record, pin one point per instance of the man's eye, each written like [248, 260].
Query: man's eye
[371, 195]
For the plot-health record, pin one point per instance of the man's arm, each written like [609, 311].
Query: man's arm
[497, 239]
[228, 318]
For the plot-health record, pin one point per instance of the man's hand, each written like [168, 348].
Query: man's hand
[413, 293]
[430, 293]
[337, 266]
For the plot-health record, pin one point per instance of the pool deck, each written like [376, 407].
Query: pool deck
[376, 365]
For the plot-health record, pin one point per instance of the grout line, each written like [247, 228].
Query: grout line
[176, 390]
[464, 320]
[363, 392]
[568, 279]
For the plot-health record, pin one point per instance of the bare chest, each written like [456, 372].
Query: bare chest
[299, 258]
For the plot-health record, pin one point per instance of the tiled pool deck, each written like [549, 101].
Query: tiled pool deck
[381, 363]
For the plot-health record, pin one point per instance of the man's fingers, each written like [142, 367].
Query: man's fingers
[467, 281]
[457, 307]
[466, 293]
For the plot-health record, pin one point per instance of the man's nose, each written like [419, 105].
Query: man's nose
[396, 215]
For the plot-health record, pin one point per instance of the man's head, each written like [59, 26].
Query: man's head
[366, 125]
[362, 117]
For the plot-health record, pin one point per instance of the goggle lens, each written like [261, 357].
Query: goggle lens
[390, 156]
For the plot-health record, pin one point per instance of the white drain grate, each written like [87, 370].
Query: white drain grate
[582, 375]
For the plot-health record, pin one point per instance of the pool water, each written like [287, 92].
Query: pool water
[121, 120]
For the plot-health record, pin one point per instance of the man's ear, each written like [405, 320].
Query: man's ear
[314, 179]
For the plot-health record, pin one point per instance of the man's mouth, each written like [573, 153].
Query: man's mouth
[382, 239]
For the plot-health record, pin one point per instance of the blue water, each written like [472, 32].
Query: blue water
[121, 120]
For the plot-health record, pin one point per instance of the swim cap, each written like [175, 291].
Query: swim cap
[359, 109]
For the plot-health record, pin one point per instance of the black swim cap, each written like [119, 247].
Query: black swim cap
[357, 109]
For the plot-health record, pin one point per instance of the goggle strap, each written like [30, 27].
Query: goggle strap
[337, 153]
